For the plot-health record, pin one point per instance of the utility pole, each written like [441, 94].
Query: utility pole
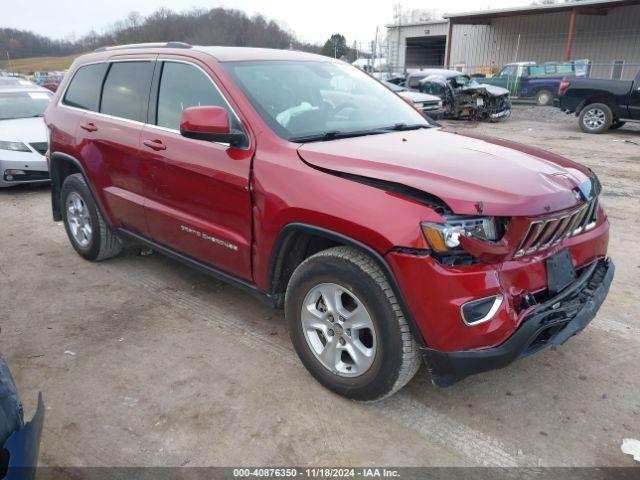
[399, 12]
[9, 60]
[374, 49]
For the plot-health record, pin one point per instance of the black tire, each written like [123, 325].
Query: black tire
[600, 111]
[544, 98]
[397, 357]
[616, 125]
[102, 243]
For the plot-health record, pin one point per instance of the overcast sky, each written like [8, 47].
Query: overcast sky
[311, 21]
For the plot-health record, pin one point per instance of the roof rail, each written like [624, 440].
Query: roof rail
[145, 45]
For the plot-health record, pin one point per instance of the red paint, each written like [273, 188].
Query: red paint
[226, 206]
[205, 120]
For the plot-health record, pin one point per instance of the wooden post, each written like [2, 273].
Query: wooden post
[572, 23]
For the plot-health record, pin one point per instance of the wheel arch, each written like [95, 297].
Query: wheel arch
[61, 165]
[604, 98]
[298, 241]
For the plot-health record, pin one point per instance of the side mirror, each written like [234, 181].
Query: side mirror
[211, 124]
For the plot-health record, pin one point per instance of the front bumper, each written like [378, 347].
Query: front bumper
[34, 166]
[550, 323]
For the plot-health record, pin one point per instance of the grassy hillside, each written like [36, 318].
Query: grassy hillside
[38, 64]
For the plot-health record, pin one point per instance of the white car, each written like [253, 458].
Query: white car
[429, 105]
[23, 136]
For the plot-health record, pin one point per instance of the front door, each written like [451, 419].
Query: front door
[200, 205]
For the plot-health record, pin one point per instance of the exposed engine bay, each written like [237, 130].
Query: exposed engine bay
[465, 98]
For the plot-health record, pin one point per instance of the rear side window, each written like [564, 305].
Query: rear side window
[183, 86]
[126, 90]
[84, 89]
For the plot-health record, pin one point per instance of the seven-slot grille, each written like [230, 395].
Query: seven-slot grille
[40, 147]
[546, 233]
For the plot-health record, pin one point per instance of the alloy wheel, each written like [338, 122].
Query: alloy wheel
[339, 330]
[79, 219]
[594, 119]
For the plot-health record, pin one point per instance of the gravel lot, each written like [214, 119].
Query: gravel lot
[170, 367]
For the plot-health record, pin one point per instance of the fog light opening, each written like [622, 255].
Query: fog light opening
[481, 310]
[10, 174]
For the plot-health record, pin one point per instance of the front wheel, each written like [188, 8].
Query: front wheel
[595, 118]
[347, 327]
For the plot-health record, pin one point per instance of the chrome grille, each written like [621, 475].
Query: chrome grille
[549, 232]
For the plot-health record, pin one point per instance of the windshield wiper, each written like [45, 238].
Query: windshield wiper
[402, 127]
[334, 135]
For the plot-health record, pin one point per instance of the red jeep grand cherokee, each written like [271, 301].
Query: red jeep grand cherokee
[316, 188]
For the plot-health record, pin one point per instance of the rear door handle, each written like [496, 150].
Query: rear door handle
[155, 145]
[89, 127]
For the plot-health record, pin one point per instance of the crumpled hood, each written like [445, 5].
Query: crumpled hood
[490, 89]
[471, 174]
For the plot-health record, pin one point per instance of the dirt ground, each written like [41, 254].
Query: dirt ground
[145, 362]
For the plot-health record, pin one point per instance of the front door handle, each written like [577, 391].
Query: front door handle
[155, 145]
[89, 127]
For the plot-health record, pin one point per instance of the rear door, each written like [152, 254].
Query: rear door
[110, 141]
[200, 205]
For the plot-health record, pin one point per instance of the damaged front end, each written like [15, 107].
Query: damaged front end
[472, 101]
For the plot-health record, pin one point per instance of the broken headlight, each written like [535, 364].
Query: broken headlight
[445, 237]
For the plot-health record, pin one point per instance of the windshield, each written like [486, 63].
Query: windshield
[23, 104]
[306, 99]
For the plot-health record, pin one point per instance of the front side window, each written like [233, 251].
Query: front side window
[126, 90]
[307, 98]
[23, 104]
[183, 86]
[509, 71]
[84, 89]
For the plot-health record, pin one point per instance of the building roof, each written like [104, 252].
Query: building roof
[482, 16]
[415, 24]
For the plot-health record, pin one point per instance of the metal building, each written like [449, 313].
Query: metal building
[606, 32]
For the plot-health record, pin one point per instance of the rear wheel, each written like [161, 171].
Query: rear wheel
[89, 234]
[595, 118]
[347, 327]
[544, 98]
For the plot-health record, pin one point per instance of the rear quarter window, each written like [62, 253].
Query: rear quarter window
[84, 88]
[126, 90]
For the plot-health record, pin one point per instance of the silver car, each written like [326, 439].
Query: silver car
[23, 135]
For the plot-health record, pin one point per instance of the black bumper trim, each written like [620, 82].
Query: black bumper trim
[553, 318]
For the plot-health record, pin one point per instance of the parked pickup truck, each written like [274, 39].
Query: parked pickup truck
[600, 104]
[309, 184]
[537, 81]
